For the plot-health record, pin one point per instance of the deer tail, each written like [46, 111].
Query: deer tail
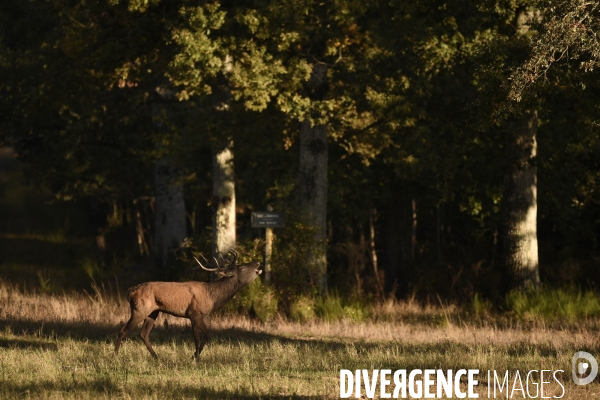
[131, 291]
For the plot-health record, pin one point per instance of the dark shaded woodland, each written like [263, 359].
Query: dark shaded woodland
[430, 148]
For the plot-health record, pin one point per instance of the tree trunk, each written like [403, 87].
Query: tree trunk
[170, 211]
[139, 229]
[373, 252]
[313, 180]
[223, 199]
[438, 234]
[520, 244]
[396, 263]
[519, 241]
[170, 227]
[223, 203]
[413, 230]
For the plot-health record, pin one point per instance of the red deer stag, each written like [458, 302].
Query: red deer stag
[192, 300]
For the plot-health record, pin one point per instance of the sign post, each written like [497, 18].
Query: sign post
[268, 252]
[268, 220]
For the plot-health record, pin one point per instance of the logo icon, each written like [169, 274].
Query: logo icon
[580, 367]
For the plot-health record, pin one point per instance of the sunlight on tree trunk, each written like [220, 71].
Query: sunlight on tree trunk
[223, 199]
[520, 191]
[520, 241]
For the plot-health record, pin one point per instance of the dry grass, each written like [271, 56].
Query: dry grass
[61, 346]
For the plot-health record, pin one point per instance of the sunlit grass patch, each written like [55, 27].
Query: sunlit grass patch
[62, 347]
[554, 304]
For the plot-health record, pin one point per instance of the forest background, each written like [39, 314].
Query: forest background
[438, 150]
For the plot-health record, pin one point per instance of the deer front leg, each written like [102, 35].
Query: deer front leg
[199, 328]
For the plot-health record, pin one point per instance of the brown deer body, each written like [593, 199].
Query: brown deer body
[192, 300]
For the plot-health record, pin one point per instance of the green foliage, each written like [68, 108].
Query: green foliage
[201, 55]
[290, 276]
[414, 106]
[334, 308]
[554, 304]
[264, 301]
[91, 268]
[568, 34]
[480, 306]
[46, 281]
[302, 309]
[256, 300]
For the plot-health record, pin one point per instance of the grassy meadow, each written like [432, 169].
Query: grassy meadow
[61, 346]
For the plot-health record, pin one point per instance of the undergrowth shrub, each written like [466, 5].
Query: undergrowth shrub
[47, 281]
[553, 304]
[302, 309]
[334, 308]
[481, 307]
[257, 300]
[264, 301]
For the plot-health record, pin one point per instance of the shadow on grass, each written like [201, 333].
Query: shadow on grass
[101, 333]
[60, 330]
[108, 387]
[27, 344]
[161, 335]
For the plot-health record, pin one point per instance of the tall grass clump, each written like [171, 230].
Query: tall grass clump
[480, 306]
[553, 304]
[334, 308]
[302, 309]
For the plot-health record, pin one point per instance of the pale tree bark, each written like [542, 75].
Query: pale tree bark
[520, 243]
[313, 181]
[373, 252]
[139, 229]
[224, 219]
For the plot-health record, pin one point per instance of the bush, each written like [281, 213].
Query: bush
[333, 308]
[303, 309]
[553, 304]
[480, 306]
[264, 301]
[257, 300]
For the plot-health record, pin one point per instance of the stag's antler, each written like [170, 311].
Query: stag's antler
[220, 268]
[235, 256]
[203, 267]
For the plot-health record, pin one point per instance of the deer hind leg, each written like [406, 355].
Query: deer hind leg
[134, 320]
[146, 329]
[198, 328]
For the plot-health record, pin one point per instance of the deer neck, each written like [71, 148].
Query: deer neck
[223, 290]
